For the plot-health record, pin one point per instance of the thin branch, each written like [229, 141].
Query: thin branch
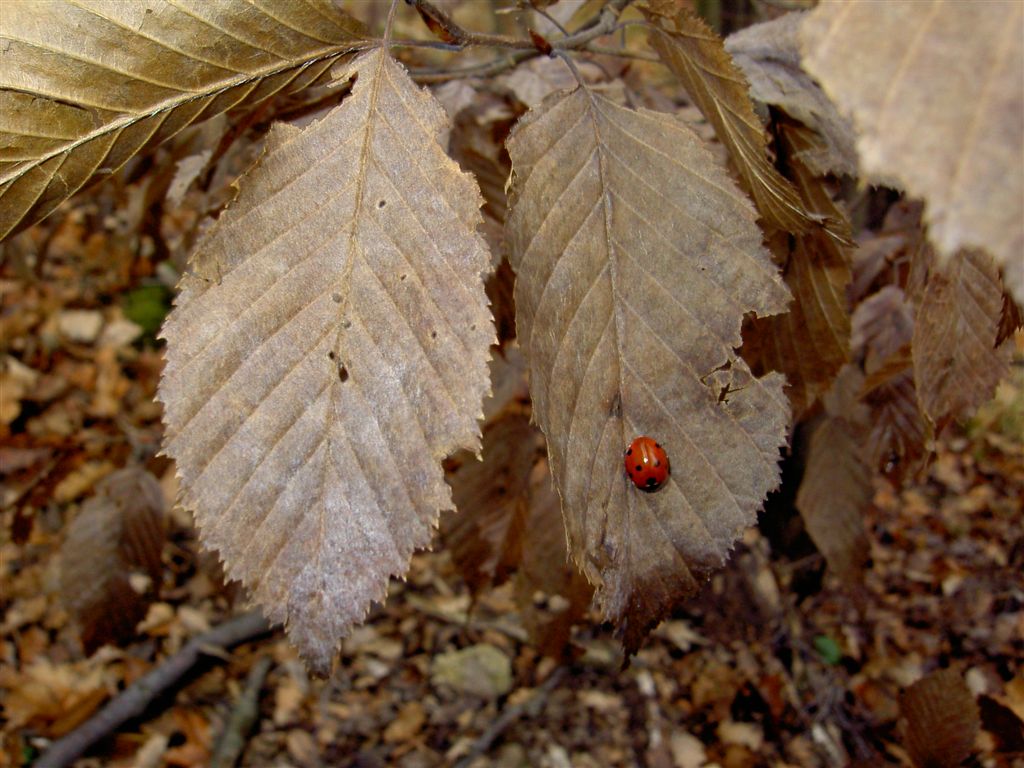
[602, 25]
[509, 716]
[232, 739]
[442, 25]
[133, 701]
[550, 18]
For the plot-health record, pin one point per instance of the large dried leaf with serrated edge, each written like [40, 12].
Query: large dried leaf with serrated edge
[84, 87]
[937, 110]
[636, 258]
[811, 342]
[769, 56]
[956, 362]
[117, 532]
[833, 496]
[328, 349]
[697, 56]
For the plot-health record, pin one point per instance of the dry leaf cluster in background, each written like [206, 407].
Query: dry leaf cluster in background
[339, 301]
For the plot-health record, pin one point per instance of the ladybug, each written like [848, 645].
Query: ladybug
[646, 463]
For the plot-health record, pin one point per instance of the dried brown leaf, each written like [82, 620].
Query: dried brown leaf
[636, 258]
[882, 329]
[84, 87]
[117, 532]
[897, 431]
[937, 111]
[697, 56]
[882, 324]
[769, 56]
[547, 570]
[833, 496]
[485, 535]
[956, 362]
[811, 342]
[1011, 319]
[328, 349]
[940, 720]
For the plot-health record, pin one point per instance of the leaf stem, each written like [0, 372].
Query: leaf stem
[390, 22]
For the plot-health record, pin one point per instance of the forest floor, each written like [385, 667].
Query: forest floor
[776, 663]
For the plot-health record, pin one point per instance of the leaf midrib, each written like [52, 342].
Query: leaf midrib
[129, 119]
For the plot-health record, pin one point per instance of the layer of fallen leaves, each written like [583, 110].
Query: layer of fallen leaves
[761, 669]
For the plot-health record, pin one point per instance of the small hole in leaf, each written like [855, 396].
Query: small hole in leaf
[336, 298]
[472, 327]
[342, 373]
[381, 203]
[331, 355]
[433, 334]
[403, 277]
[346, 323]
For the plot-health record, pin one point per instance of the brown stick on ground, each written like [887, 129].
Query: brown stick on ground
[133, 701]
[233, 738]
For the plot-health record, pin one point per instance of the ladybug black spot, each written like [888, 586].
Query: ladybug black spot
[629, 451]
[639, 468]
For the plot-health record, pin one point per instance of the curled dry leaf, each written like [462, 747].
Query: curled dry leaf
[811, 342]
[117, 532]
[636, 258]
[328, 349]
[84, 87]
[769, 56]
[936, 111]
[697, 56]
[940, 720]
[957, 364]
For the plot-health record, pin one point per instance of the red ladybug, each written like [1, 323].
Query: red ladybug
[646, 463]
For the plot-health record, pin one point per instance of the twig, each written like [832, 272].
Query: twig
[509, 716]
[247, 709]
[600, 26]
[133, 701]
[442, 25]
